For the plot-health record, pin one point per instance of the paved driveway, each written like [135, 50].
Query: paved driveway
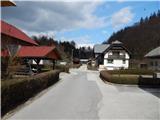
[82, 95]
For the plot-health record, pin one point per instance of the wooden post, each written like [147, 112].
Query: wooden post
[53, 61]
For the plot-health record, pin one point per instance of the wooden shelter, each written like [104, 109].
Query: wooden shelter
[38, 53]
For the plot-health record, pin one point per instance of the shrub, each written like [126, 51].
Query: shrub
[16, 91]
[76, 61]
[90, 67]
[75, 65]
[62, 68]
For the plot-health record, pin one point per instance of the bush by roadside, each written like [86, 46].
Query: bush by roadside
[90, 67]
[75, 65]
[17, 91]
[62, 68]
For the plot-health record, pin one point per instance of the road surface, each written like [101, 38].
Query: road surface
[82, 95]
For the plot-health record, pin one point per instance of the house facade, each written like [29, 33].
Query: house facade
[153, 59]
[112, 56]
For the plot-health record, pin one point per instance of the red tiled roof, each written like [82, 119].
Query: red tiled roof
[38, 52]
[14, 32]
[5, 53]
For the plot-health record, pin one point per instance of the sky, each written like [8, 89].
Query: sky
[87, 22]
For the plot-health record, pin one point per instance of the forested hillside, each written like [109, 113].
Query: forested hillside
[67, 49]
[141, 37]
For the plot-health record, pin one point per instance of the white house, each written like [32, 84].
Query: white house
[112, 56]
[154, 59]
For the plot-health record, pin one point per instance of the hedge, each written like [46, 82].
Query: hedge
[90, 67]
[119, 79]
[132, 71]
[128, 79]
[17, 91]
[75, 65]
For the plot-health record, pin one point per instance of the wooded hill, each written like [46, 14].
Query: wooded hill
[67, 49]
[141, 37]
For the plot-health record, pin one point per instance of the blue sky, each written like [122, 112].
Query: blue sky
[87, 23]
[98, 35]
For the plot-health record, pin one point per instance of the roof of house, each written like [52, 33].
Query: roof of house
[100, 48]
[48, 52]
[6, 3]
[12, 31]
[117, 42]
[154, 53]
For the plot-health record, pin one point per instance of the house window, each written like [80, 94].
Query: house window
[110, 61]
[124, 61]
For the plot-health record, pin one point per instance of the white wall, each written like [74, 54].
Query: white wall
[117, 63]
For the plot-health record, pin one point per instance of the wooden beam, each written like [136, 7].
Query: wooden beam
[53, 64]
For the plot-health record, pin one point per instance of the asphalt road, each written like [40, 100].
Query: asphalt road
[82, 95]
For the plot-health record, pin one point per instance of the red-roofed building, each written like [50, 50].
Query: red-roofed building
[39, 54]
[15, 35]
[13, 38]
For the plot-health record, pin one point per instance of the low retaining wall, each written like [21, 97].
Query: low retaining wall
[149, 81]
[16, 92]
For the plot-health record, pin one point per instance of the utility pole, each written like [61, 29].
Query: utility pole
[72, 55]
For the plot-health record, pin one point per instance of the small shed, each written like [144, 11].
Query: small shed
[38, 53]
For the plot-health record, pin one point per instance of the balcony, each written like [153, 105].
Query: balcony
[116, 56]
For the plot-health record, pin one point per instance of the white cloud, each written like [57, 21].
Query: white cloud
[104, 32]
[122, 17]
[121, 1]
[86, 45]
[45, 16]
[80, 41]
